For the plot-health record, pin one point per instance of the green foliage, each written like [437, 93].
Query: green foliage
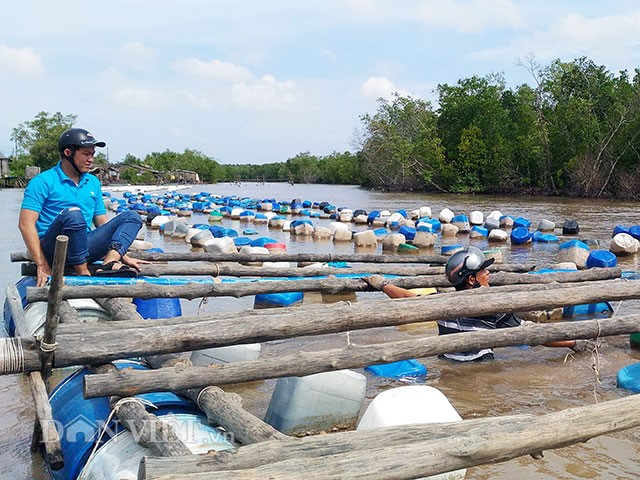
[38, 138]
[401, 149]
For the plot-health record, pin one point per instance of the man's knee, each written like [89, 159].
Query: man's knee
[131, 216]
[72, 219]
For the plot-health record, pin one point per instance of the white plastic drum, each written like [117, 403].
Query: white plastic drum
[120, 457]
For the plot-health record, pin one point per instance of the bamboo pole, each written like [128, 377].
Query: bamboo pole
[327, 284]
[54, 297]
[353, 356]
[420, 458]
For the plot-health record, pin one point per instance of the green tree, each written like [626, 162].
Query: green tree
[340, 168]
[474, 107]
[303, 168]
[593, 119]
[400, 147]
[38, 138]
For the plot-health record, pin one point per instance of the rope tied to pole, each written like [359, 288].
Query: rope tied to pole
[11, 356]
[114, 411]
[202, 392]
[47, 347]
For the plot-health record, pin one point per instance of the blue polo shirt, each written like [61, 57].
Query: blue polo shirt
[52, 191]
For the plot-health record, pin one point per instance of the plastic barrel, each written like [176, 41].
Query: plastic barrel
[79, 420]
[601, 258]
[158, 307]
[520, 235]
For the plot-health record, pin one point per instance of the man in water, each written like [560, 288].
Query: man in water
[467, 269]
[67, 200]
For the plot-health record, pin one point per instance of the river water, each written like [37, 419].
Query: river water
[521, 381]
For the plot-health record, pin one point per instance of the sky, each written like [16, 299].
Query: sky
[260, 81]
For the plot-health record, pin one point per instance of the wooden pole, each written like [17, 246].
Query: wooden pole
[121, 310]
[15, 306]
[273, 257]
[234, 270]
[222, 409]
[315, 446]
[421, 458]
[147, 429]
[43, 429]
[44, 417]
[353, 356]
[327, 284]
[156, 338]
[225, 409]
[54, 298]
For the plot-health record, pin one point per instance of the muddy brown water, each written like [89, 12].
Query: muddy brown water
[522, 380]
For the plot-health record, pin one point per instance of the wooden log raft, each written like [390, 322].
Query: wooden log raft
[404, 453]
[328, 284]
[103, 346]
[132, 382]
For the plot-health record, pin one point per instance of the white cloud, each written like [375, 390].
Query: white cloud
[380, 87]
[268, 94]
[611, 40]
[475, 16]
[21, 60]
[141, 98]
[137, 55]
[215, 69]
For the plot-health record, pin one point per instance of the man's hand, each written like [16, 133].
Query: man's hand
[376, 282]
[43, 274]
[133, 262]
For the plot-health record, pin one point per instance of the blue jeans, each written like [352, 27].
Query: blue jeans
[117, 234]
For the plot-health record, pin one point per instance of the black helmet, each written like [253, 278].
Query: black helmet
[77, 137]
[464, 263]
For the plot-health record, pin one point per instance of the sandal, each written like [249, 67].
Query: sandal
[108, 270]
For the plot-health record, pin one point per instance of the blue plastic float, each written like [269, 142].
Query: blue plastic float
[601, 258]
[629, 377]
[402, 369]
[520, 236]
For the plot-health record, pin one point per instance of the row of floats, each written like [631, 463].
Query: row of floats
[400, 231]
